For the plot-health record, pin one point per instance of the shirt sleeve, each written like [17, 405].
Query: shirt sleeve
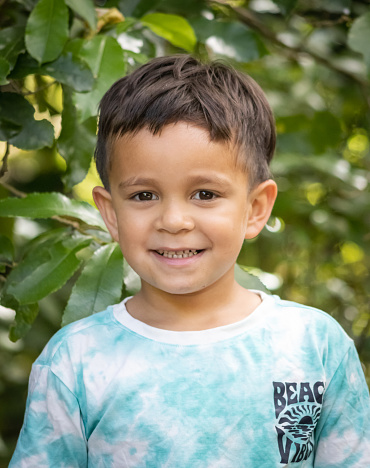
[52, 432]
[343, 432]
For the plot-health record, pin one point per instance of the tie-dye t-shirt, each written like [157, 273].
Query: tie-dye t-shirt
[283, 387]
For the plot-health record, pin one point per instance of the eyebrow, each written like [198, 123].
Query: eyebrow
[133, 181]
[196, 179]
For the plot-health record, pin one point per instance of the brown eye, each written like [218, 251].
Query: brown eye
[145, 196]
[204, 195]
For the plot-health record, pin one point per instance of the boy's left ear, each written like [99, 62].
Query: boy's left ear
[261, 202]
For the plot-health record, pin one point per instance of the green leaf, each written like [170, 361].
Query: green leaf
[105, 57]
[67, 69]
[18, 126]
[24, 317]
[76, 142]
[228, 39]
[4, 71]
[6, 250]
[248, 281]
[85, 9]
[46, 205]
[98, 286]
[131, 280]
[45, 270]
[11, 44]
[173, 28]
[47, 30]
[137, 8]
[359, 37]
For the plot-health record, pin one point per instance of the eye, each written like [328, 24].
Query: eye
[204, 195]
[145, 196]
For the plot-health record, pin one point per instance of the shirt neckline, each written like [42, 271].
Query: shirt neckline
[189, 338]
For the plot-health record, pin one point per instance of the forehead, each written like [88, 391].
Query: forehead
[176, 144]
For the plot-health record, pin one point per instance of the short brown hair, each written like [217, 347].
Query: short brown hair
[228, 104]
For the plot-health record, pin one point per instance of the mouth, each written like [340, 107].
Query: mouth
[178, 253]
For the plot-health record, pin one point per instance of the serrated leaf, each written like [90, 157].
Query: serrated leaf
[76, 142]
[16, 111]
[359, 37]
[248, 281]
[105, 58]
[45, 270]
[46, 205]
[85, 9]
[24, 317]
[98, 286]
[47, 30]
[175, 29]
[11, 44]
[6, 250]
[228, 39]
[4, 71]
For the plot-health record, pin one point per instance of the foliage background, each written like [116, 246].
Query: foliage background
[58, 57]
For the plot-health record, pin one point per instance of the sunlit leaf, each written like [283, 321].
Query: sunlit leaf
[76, 142]
[85, 9]
[98, 286]
[46, 269]
[105, 58]
[19, 127]
[359, 37]
[173, 28]
[46, 205]
[47, 30]
[247, 280]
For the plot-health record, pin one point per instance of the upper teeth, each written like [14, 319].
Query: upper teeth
[178, 253]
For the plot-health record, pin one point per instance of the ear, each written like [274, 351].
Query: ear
[103, 201]
[261, 200]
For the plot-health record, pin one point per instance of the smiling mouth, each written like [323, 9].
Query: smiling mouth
[178, 253]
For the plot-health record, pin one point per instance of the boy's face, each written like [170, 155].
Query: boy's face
[180, 208]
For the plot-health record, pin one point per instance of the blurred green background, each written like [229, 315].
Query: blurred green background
[58, 57]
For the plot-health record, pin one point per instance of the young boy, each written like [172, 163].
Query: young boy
[193, 371]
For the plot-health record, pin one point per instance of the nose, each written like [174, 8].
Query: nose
[174, 217]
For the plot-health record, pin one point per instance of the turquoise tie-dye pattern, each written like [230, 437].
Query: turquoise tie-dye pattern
[283, 387]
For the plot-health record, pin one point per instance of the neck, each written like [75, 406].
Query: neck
[211, 307]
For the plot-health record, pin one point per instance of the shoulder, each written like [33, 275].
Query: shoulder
[306, 331]
[79, 333]
[309, 320]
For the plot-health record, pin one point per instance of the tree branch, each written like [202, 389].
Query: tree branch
[295, 52]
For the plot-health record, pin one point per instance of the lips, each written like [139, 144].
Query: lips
[178, 253]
